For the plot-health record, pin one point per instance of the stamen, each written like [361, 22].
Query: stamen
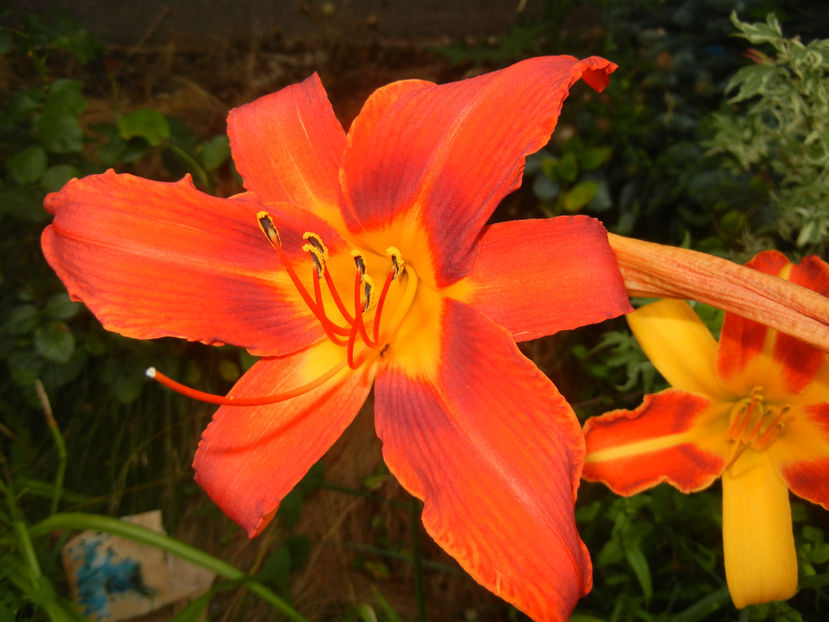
[741, 418]
[368, 287]
[316, 241]
[396, 260]
[331, 329]
[336, 296]
[755, 425]
[359, 261]
[269, 229]
[230, 400]
[317, 256]
[382, 301]
[359, 309]
[771, 432]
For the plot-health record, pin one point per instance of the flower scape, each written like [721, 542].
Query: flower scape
[365, 259]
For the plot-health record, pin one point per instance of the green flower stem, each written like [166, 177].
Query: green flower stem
[57, 437]
[143, 535]
[201, 175]
[27, 550]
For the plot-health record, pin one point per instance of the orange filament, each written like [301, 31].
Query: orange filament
[229, 400]
[754, 425]
[380, 302]
[363, 289]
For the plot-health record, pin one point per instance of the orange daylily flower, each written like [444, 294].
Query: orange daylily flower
[752, 410]
[364, 258]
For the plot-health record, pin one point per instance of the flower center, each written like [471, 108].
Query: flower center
[355, 320]
[754, 423]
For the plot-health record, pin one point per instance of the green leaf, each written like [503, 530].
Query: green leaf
[27, 166]
[22, 319]
[568, 167]
[59, 132]
[591, 159]
[733, 223]
[65, 96]
[63, 30]
[128, 385]
[639, 564]
[61, 307]
[55, 342]
[56, 177]
[22, 203]
[580, 195]
[148, 124]
[25, 367]
[214, 152]
[193, 611]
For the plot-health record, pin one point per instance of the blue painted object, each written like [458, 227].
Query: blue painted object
[102, 576]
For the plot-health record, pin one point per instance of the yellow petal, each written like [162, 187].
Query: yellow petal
[679, 345]
[760, 558]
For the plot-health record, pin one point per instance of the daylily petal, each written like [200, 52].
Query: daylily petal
[536, 277]
[672, 437]
[445, 155]
[758, 545]
[287, 146]
[801, 454]
[250, 457]
[494, 452]
[154, 259]
[800, 360]
[745, 352]
[679, 346]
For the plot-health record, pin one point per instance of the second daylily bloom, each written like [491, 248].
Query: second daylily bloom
[752, 410]
[365, 258]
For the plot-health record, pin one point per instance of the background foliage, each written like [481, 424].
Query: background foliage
[703, 139]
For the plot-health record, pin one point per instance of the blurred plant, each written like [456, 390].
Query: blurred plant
[572, 182]
[776, 130]
[50, 346]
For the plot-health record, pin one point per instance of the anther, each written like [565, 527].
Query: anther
[316, 241]
[269, 229]
[396, 260]
[317, 256]
[368, 287]
[360, 262]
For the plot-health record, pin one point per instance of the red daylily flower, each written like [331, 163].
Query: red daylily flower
[753, 411]
[375, 267]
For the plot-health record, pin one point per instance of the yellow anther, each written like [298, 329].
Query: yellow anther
[317, 256]
[316, 241]
[396, 259]
[368, 289]
[269, 229]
